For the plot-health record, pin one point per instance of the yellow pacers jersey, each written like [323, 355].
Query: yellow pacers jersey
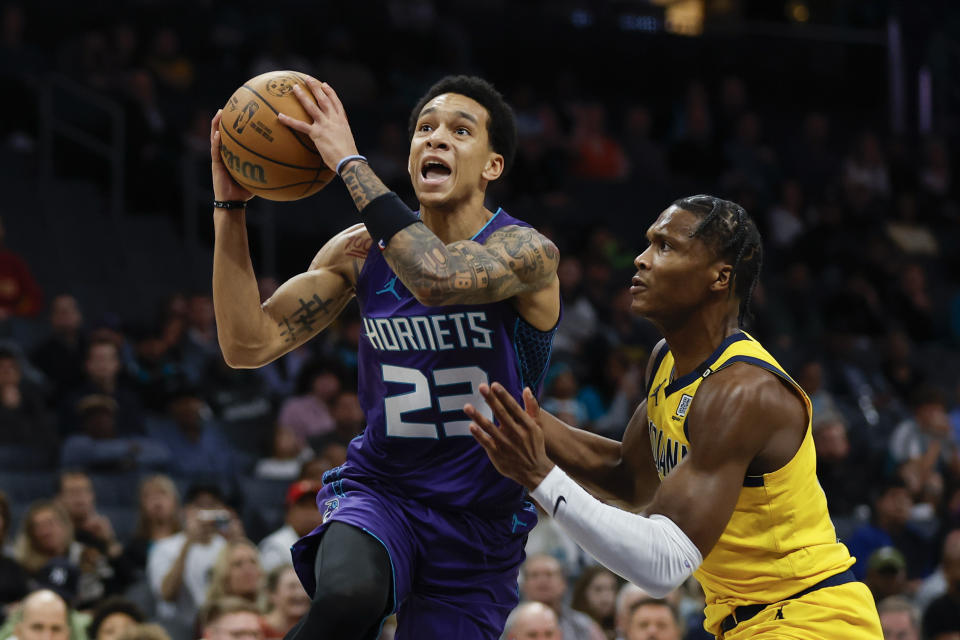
[780, 539]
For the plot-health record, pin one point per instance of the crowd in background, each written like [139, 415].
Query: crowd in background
[859, 300]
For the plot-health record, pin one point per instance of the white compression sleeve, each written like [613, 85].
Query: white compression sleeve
[651, 552]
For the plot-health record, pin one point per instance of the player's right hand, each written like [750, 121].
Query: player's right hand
[224, 186]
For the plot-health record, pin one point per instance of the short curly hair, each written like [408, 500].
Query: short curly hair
[501, 125]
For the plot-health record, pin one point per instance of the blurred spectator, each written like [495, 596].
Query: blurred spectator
[647, 160]
[542, 580]
[653, 619]
[94, 531]
[231, 618]
[865, 172]
[112, 617]
[900, 365]
[288, 454]
[45, 548]
[158, 517]
[156, 368]
[612, 401]
[579, 322]
[23, 417]
[912, 304]
[196, 443]
[886, 573]
[13, 579]
[532, 621]
[750, 161]
[236, 572]
[811, 158]
[935, 585]
[44, 616]
[560, 395]
[840, 474]
[786, 220]
[910, 235]
[301, 518]
[899, 618]
[97, 447]
[595, 594]
[20, 295]
[240, 401]
[923, 447]
[103, 376]
[694, 154]
[61, 356]
[76, 495]
[942, 615]
[287, 602]
[890, 526]
[178, 567]
[280, 376]
[199, 346]
[598, 155]
[168, 63]
[348, 417]
[308, 414]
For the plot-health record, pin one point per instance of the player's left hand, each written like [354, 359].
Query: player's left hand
[330, 130]
[516, 447]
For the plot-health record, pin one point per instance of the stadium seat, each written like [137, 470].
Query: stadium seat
[25, 487]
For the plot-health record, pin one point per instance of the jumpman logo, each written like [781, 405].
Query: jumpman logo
[656, 395]
[517, 522]
[390, 287]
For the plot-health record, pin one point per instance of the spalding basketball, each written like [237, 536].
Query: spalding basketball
[264, 156]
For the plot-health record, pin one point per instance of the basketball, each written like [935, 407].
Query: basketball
[266, 157]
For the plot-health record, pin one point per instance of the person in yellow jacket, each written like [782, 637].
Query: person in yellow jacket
[716, 474]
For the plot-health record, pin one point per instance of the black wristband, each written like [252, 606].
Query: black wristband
[385, 215]
[229, 204]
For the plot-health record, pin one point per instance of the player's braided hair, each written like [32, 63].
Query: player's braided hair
[729, 230]
[501, 123]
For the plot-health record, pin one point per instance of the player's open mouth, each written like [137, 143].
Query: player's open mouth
[434, 172]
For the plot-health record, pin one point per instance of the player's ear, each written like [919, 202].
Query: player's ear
[724, 276]
[493, 168]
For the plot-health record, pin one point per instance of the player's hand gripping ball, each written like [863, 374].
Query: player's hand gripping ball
[265, 157]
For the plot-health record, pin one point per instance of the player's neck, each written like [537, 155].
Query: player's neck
[459, 223]
[693, 341]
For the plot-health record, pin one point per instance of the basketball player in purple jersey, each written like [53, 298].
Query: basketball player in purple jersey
[417, 521]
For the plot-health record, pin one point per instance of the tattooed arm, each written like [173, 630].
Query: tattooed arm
[513, 261]
[252, 334]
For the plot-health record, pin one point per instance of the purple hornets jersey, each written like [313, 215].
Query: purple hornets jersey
[418, 366]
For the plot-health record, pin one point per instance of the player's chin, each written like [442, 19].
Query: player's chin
[434, 198]
[639, 306]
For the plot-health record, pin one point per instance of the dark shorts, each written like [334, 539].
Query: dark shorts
[454, 573]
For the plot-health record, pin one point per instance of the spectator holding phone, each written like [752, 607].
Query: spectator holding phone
[179, 567]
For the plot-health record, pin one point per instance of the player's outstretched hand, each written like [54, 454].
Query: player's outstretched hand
[330, 130]
[516, 447]
[224, 186]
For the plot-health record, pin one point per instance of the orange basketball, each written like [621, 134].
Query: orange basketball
[266, 157]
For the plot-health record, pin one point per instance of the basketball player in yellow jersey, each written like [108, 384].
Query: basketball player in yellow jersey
[716, 473]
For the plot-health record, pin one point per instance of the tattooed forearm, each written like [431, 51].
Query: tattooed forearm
[311, 314]
[363, 184]
[513, 260]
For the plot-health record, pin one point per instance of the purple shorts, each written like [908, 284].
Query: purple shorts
[454, 572]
